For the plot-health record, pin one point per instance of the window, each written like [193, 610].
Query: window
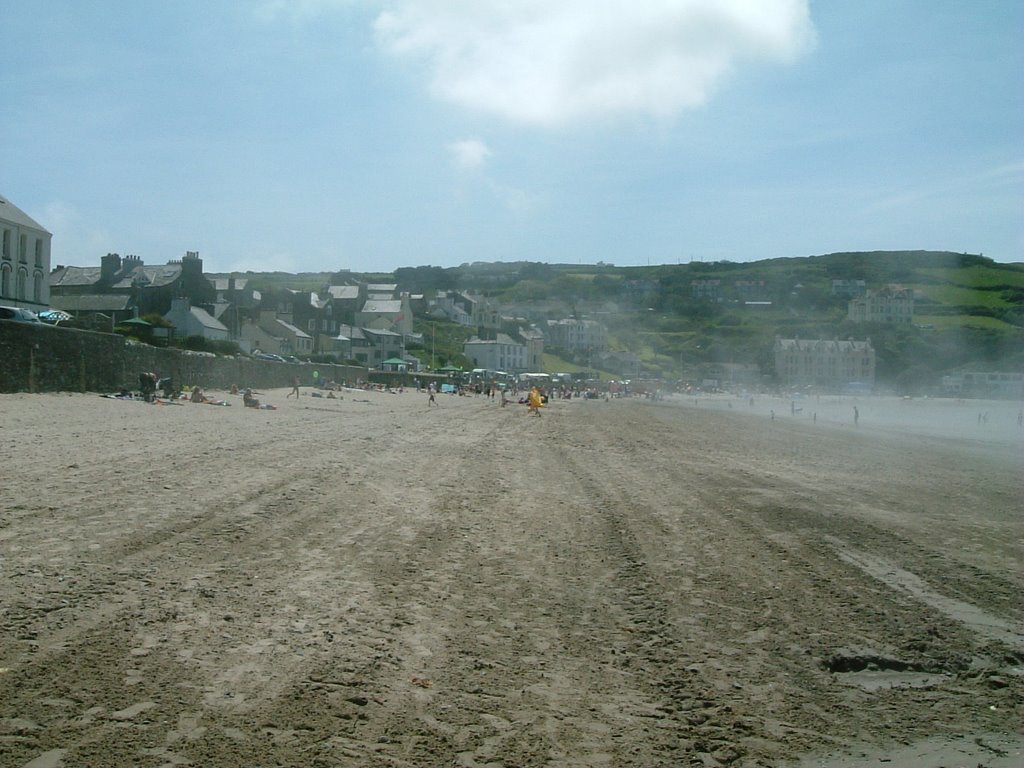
[5, 280]
[37, 288]
[7, 244]
[39, 251]
[23, 249]
[22, 279]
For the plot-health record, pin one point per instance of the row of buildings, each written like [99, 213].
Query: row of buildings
[372, 323]
[367, 323]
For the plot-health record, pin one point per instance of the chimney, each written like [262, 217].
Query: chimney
[192, 266]
[110, 265]
[130, 263]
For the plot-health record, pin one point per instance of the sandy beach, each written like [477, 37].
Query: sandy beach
[369, 581]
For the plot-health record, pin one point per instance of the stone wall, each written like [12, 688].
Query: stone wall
[43, 358]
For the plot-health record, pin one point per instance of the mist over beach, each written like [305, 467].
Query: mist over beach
[993, 423]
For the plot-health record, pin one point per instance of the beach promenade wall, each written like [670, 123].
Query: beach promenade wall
[43, 358]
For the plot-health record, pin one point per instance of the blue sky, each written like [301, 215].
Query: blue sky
[310, 135]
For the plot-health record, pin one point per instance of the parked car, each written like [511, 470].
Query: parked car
[268, 356]
[19, 315]
[54, 316]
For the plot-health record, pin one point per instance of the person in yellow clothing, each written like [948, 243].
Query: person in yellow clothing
[534, 401]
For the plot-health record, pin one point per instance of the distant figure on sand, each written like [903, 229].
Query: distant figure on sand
[431, 400]
[534, 402]
[856, 416]
[295, 389]
[147, 385]
[248, 400]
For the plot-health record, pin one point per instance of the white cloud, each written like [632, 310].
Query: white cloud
[469, 154]
[549, 63]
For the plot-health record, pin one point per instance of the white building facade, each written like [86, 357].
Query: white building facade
[500, 354]
[828, 364]
[24, 259]
[889, 305]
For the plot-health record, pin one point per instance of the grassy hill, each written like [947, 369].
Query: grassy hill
[969, 310]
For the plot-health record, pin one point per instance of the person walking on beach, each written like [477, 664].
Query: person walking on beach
[534, 402]
[295, 389]
[431, 400]
[856, 416]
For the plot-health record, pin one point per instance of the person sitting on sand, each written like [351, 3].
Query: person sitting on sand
[198, 396]
[248, 400]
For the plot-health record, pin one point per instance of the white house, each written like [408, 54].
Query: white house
[828, 363]
[500, 354]
[24, 259]
[891, 304]
[577, 335]
[272, 334]
[388, 314]
[193, 321]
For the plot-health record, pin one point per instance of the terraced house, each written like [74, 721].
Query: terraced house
[831, 365]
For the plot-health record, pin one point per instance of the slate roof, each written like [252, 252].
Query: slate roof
[837, 345]
[206, 319]
[500, 338]
[77, 276]
[297, 332]
[388, 307]
[379, 332]
[91, 302]
[12, 213]
[343, 291]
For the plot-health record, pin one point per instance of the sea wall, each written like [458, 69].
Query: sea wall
[43, 358]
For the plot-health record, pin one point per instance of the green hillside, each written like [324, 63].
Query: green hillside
[969, 310]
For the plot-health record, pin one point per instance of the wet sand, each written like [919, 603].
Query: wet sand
[372, 582]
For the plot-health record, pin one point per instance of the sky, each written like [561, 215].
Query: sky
[320, 135]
